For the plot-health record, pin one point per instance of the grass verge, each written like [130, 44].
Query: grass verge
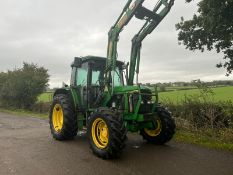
[205, 139]
[20, 112]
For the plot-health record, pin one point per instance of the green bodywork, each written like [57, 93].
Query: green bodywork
[106, 82]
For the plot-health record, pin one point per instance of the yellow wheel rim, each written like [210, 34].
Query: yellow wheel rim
[100, 133]
[155, 132]
[57, 118]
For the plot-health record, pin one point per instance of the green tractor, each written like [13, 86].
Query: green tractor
[104, 100]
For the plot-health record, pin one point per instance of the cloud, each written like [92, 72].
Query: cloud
[51, 33]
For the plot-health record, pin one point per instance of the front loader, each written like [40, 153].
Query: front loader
[104, 100]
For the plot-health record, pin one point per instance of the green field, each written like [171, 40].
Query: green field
[45, 97]
[220, 94]
[173, 88]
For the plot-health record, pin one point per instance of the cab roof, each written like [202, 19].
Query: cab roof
[98, 59]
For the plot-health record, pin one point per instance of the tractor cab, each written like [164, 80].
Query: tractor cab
[87, 78]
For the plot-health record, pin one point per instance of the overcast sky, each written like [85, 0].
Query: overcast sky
[51, 33]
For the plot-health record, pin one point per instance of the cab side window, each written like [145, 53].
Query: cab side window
[95, 78]
[81, 78]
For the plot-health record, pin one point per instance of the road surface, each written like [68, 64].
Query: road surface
[27, 148]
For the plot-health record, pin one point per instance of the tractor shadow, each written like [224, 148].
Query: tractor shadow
[136, 148]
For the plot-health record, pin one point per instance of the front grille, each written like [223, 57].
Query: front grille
[145, 108]
[145, 104]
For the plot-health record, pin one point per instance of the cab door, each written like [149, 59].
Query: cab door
[81, 85]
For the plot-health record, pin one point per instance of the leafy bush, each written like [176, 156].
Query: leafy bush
[199, 114]
[19, 88]
[41, 107]
[199, 111]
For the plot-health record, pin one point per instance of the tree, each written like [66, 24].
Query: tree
[20, 87]
[211, 28]
[162, 88]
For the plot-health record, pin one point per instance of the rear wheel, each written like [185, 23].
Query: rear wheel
[164, 131]
[62, 118]
[107, 133]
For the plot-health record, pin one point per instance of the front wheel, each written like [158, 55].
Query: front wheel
[62, 118]
[164, 131]
[107, 133]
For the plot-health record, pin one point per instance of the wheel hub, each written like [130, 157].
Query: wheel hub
[57, 118]
[154, 132]
[100, 133]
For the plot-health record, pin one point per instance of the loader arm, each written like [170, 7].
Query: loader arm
[161, 9]
[113, 36]
[153, 18]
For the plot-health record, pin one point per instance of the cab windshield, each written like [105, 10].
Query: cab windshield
[96, 75]
[117, 78]
[98, 78]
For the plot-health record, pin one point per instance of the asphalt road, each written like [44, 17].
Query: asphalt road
[27, 148]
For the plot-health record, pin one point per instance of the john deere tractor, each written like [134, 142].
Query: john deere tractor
[104, 96]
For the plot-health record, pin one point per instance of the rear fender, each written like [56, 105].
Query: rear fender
[67, 92]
